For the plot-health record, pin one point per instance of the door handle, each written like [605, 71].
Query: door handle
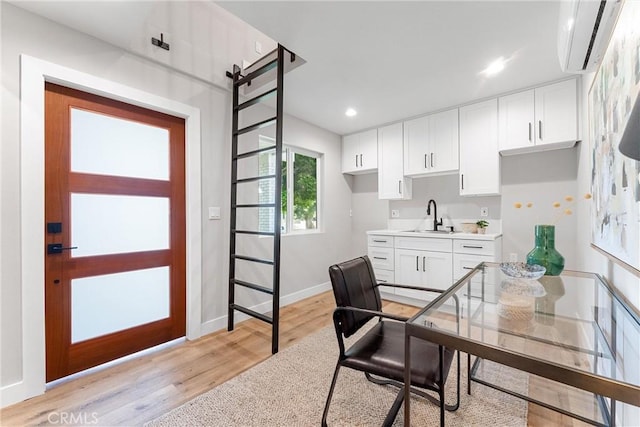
[431, 159]
[529, 131]
[425, 161]
[417, 258]
[57, 248]
[423, 259]
[356, 160]
[360, 160]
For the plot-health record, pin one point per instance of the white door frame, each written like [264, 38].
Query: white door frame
[33, 75]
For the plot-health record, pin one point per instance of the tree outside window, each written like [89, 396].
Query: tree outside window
[300, 189]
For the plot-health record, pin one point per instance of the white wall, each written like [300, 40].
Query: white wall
[305, 258]
[450, 205]
[542, 179]
[368, 211]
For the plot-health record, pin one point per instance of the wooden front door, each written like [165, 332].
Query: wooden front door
[115, 229]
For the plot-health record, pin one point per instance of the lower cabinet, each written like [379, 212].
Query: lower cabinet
[428, 262]
[422, 268]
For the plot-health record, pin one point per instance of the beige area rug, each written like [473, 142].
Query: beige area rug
[290, 389]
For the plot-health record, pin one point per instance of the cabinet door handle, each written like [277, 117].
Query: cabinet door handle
[467, 268]
[529, 131]
[462, 177]
[356, 160]
[379, 257]
[431, 159]
[417, 258]
[472, 247]
[400, 186]
[360, 160]
[425, 161]
[382, 281]
[540, 129]
[379, 241]
[423, 261]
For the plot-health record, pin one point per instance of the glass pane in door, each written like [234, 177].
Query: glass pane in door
[107, 224]
[113, 302]
[105, 145]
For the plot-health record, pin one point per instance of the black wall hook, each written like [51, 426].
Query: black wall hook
[160, 43]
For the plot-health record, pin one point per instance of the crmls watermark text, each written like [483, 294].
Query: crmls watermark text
[68, 418]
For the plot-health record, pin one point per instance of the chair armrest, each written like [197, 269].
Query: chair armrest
[417, 288]
[372, 312]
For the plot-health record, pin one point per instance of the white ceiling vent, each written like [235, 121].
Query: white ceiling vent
[584, 29]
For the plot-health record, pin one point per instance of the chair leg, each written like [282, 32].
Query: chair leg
[333, 386]
[393, 412]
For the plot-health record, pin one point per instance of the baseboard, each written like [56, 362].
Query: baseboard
[12, 393]
[214, 325]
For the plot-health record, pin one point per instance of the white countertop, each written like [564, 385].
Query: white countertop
[438, 235]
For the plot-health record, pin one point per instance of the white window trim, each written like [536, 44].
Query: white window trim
[319, 191]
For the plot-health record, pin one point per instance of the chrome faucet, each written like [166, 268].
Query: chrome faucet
[436, 223]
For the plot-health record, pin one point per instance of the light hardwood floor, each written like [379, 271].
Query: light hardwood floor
[143, 388]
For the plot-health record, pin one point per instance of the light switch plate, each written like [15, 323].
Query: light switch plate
[395, 213]
[214, 213]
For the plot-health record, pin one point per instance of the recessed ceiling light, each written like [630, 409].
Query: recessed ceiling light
[495, 67]
[350, 112]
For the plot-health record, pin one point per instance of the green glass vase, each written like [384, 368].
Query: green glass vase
[545, 253]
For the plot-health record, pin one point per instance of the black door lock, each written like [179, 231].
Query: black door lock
[56, 248]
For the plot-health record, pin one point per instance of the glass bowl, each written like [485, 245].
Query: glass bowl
[522, 270]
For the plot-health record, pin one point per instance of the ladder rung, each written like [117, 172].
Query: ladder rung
[257, 99]
[254, 205]
[260, 71]
[253, 286]
[252, 313]
[253, 178]
[257, 233]
[253, 259]
[258, 125]
[254, 152]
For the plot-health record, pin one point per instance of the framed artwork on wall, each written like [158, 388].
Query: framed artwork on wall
[615, 178]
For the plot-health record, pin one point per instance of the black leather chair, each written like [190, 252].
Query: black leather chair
[379, 353]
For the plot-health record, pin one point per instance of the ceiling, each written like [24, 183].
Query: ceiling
[392, 60]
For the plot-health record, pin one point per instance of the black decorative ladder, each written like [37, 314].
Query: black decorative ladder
[263, 69]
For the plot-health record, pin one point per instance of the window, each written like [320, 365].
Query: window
[300, 201]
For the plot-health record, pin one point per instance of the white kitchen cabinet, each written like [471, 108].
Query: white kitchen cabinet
[541, 118]
[392, 184]
[431, 144]
[381, 254]
[479, 157]
[424, 269]
[360, 152]
[435, 262]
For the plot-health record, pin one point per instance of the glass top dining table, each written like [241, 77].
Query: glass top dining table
[572, 328]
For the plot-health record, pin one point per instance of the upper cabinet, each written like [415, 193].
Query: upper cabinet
[479, 157]
[360, 152]
[431, 144]
[541, 118]
[392, 184]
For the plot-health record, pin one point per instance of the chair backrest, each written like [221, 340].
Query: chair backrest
[354, 285]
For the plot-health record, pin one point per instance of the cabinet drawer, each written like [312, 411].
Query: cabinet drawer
[464, 263]
[479, 247]
[381, 258]
[424, 243]
[380, 241]
[384, 276]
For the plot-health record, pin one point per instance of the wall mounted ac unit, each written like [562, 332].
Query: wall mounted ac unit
[584, 29]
